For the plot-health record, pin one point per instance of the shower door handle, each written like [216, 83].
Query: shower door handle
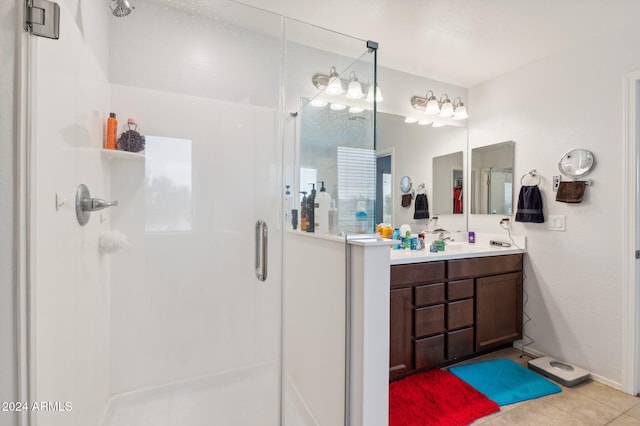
[262, 247]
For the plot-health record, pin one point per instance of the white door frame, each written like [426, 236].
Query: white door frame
[630, 364]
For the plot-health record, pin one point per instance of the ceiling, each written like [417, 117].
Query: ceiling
[461, 42]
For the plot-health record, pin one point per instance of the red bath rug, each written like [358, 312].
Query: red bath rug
[436, 397]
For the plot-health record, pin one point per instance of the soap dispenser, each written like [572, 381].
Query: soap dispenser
[321, 211]
[303, 211]
[311, 200]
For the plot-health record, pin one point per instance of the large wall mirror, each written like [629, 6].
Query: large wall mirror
[430, 156]
[491, 178]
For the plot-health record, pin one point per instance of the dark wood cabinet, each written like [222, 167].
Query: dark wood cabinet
[445, 311]
[401, 342]
[498, 310]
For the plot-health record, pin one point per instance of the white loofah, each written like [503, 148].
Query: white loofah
[111, 241]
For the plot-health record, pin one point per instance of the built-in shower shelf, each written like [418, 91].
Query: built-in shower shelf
[114, 154]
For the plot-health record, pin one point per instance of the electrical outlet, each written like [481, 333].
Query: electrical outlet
[556, 222]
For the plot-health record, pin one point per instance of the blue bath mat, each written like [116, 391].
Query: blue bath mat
[504, 381]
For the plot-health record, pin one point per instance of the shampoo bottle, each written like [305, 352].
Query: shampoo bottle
[112, 127]
[303, 211]
[321, 211]
[311, 200]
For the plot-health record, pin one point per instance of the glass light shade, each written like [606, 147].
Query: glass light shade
[379, 97]
[319, 103]
[355, 110]
[410, 120]
[438, 124]
[334, 87]
[432, 107]
[460, 113]
[446, 110]
[424, 122]
[337, 107]
[355, 89]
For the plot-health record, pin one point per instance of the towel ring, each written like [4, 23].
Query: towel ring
[532, 173]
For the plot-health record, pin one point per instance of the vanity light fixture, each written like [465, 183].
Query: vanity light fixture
[431, 104]
[442, 107]
[460, 111]
[334, 87]
[355, 88]
[379, 97]
[446, 107]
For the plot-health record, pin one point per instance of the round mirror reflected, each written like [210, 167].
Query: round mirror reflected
[405, 184]
[577, 163]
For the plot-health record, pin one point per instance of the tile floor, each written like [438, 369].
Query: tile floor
[590, 403]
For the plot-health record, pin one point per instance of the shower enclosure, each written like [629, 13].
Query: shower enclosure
[168, 308]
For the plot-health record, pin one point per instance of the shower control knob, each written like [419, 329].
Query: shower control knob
[85, 204]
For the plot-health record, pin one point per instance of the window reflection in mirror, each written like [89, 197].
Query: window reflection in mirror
[168, 183]
[448, 184]
[492, 179]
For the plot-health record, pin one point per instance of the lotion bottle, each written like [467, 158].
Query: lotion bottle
[321, 211]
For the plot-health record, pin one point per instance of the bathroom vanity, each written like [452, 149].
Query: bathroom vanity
[452, 305]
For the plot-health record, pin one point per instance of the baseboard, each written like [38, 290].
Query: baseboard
[537, 354]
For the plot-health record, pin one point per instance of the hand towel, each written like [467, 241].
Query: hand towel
[571, 191]
[530, 205]
[406, 200]
[422, 207]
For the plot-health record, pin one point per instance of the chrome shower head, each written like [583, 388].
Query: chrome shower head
[120, 8]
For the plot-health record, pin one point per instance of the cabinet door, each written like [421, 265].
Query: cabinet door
[401, 327]
[498, 310]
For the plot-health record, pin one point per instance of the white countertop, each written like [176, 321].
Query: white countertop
[461, 250]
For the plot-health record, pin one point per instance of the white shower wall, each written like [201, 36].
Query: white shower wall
[69, 275]
[176, 296]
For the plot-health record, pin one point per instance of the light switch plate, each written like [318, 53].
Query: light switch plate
[557, 222]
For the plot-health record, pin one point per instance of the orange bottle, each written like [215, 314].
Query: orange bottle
[112, 126]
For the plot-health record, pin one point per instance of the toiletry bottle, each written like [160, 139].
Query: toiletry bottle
[333, 218]
[407, 238]
[396, 236]
[321, 211]
[112, 126]
[287, 205]
[311, 200]
[303, 211]
[361, 218]
[472, 237]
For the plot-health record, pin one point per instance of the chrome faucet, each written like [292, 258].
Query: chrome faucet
[442, 237]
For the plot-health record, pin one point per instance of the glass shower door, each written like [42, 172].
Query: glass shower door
[153, 313]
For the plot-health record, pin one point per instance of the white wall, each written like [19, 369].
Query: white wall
[570, 100]
[70, 277]
[8, 362]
